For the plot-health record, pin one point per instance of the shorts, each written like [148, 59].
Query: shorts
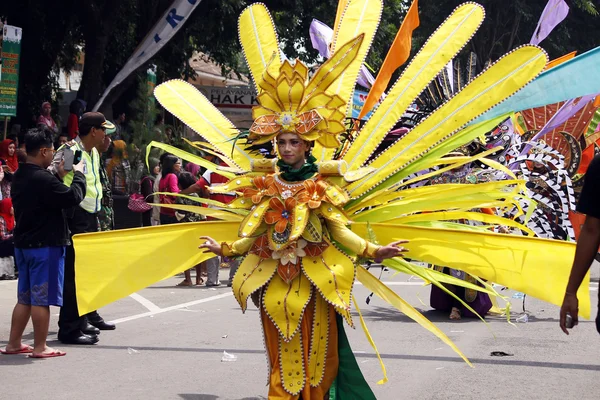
[41, 276]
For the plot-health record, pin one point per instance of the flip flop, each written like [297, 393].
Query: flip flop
[48, 355]
[24, 350]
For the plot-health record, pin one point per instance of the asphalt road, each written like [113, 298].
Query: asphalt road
[169, 343]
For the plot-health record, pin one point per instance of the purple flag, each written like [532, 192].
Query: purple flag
[570, 108]
[321, 36]
[554, 13]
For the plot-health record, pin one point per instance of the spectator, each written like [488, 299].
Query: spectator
[7, 247]
[171, 166]
[10, 163]
[74, 329]
[60, 140]
[120, 128]
[75, 111]
[41, 235]
[193, 169]
[185, 181]
[147, 188]
[45, 121]
[201, 187]
[156, 210]
[8, 149]
[118, 168]
[106, 215]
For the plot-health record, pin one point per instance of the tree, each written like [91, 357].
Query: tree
[509, 24]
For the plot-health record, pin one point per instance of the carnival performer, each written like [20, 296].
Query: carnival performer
[296, 238]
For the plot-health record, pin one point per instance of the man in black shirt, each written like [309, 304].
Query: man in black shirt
[41, 235]
[587, 244]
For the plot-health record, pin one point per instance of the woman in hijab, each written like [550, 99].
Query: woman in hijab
[7, 247]
[10, 163]
[118, 168]
[45, 121]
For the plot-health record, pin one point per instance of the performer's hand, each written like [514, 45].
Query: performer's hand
[570, 305]
[211, 245]
[393, 249]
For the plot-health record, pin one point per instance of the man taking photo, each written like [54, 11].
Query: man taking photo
[41, 235]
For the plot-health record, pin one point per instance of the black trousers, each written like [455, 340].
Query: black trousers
[69, 321]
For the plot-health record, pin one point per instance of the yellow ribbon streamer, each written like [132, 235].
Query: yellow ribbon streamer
[388, 295]
[371, 341]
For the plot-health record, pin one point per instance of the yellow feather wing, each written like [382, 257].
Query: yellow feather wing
[259, 41]
[503, 79]
[441, 47]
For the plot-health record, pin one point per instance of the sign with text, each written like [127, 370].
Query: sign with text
[235, 103]
[9, 78]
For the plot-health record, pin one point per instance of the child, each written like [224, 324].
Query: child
[186, 180]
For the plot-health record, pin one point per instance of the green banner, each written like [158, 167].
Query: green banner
[9, 78]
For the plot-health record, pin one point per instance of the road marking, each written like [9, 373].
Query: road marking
[176, 307]
[145, 302]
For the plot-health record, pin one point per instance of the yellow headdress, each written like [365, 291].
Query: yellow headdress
[290, 102]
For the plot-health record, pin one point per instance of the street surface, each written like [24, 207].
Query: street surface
[169, 343]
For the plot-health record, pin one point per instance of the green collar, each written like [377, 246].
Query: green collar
[301, 174]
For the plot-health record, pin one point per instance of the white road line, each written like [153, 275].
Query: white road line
[145, 302]
[176, 307]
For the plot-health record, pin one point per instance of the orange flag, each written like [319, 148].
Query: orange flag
[560, 60]
[396, 56]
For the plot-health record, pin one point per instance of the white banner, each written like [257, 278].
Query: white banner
[159, 35]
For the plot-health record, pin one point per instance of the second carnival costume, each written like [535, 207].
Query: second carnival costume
[303, 233]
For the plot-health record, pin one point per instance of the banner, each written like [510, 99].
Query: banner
[159, 35]
[9, 77]
[358, 101]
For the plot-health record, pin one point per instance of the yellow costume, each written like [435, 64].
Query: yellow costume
[302, 232]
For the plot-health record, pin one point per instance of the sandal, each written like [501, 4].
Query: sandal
[455, 314]
[185, 284]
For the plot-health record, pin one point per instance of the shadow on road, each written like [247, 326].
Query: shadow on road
[494, 361]
[193, 396]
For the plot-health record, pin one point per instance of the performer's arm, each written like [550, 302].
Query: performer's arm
[363, 247]
[237, 248]
[351, 240]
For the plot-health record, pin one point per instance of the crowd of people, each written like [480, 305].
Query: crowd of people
[54, 201]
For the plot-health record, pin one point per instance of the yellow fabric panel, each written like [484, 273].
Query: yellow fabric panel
[253, 273]
[537, 267]
[501, 80]
[259, 41]
[112, 265]
[441, 47]
[291, 363]
[189, 105]
[333, 275]
[285, 303]
[388, 295]
[318, 343]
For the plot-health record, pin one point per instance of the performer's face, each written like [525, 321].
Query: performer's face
[292, 149]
